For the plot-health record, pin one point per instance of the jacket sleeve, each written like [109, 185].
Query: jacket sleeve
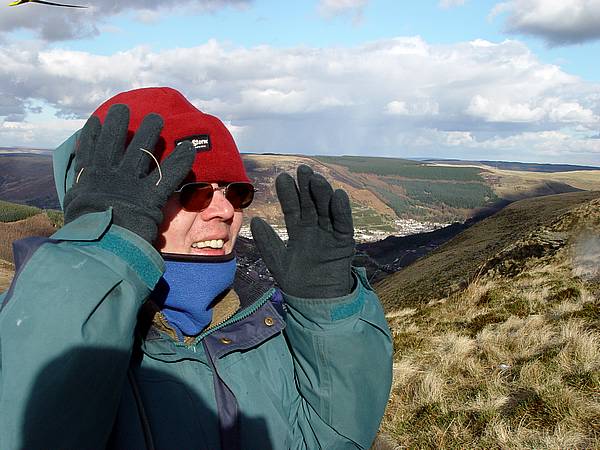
[342, 354]
[66, 332]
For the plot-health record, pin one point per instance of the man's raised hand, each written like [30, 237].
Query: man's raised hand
[316, 261]
[128, 180]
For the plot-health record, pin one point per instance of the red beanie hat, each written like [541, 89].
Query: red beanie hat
[217, 156]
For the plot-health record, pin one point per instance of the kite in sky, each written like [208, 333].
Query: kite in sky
[22, 2]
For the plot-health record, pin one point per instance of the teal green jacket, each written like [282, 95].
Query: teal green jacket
[79, 372]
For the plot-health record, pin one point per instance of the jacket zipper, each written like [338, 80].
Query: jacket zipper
[240, 315]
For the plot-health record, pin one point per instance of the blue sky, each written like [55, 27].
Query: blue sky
[513, 80]
[289, 24]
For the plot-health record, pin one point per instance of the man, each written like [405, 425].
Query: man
[102, 347]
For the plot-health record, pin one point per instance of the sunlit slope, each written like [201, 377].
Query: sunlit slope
[455, 263]
[17, 222]
[6, 275]
[511, 182]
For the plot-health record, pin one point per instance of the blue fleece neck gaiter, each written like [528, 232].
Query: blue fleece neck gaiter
[187, 289]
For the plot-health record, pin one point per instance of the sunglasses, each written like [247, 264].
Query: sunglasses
[196, 197]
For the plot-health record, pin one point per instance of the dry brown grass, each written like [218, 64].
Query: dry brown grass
[6, 275]
[511, 362]
[588, 180]
[511, 182]
[38, 225]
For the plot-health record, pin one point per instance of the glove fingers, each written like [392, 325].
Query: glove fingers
[287, 193]
[136, 161]
[87, 142]
[341, 215]
[308, 211]
[321, 192]
[174, 168]
[111, 143]
[269, 244]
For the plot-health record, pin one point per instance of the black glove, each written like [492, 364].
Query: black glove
[316, 261]
[107, 175]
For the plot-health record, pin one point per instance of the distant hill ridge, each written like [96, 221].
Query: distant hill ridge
[519, 166]
[24, 151]
[381, 190]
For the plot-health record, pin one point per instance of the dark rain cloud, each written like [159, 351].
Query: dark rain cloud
[11, 105]
[52, 23]
[558, 22]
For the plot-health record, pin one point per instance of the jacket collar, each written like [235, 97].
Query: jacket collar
[247, 328]
[225, 306]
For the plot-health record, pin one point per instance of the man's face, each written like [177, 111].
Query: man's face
[211, 232]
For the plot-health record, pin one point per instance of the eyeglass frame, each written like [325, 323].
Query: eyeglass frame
[223, 189]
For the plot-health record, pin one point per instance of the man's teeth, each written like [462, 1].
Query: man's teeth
[215, 243]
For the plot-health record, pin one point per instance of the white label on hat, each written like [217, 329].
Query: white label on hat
[201, 142]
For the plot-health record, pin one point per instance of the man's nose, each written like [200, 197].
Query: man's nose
[219, 206]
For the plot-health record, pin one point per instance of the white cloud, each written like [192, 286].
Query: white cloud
[44, 134]
[541, 146]
[552, 109]
[354, 8]
[569, 112]
[397, 107]
[492, 111]
[446, 4]
[415, 108]
[55, 24]
[148, 16]
[235, 130]
[458, 138]
[559, 22]
[400, 96]
[553, 145]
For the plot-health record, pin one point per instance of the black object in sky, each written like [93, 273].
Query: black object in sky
[22, 2]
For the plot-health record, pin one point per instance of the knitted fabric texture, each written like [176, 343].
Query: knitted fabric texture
[217, 158]
[186, 291]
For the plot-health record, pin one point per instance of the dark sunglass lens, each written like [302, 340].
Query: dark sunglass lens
[240, 195]
[196, 197]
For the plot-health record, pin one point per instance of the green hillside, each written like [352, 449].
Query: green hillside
[456, 195]
[12, 212]
[18, 222]
[417, 190]
[402, 168]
